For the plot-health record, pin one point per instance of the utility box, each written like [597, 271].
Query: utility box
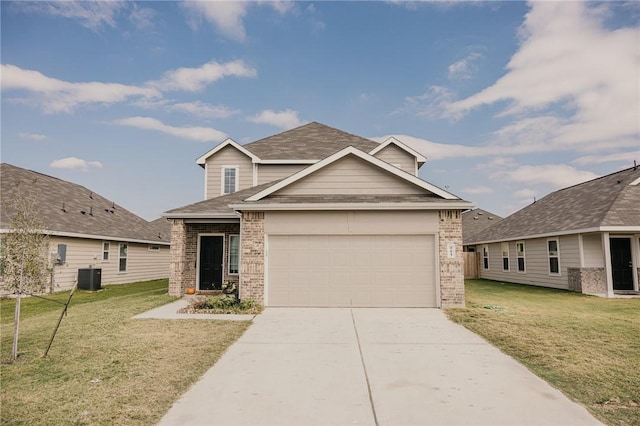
[90, 279]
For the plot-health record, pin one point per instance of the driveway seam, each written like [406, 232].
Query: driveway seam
[364, 367]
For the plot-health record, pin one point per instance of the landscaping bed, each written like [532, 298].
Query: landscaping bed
[221, 304]
[587, 347]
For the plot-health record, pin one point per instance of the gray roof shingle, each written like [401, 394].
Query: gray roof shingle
[313, 141]
[476, 220]
[61, 204]
[605, 201]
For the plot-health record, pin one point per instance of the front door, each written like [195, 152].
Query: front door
[211, 249]
[621, 265]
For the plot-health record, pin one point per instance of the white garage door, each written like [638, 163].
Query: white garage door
[351, 270]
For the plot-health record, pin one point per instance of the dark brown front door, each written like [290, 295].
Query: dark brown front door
[621, 265]
[211, 262]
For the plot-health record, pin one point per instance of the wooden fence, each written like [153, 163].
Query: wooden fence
[471, 265]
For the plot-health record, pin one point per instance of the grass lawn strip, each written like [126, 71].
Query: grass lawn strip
[104, 367]
[588, 347]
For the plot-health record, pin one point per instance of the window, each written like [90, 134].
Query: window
[505, 256]
[154, 247]
[520, 253]
[61, 255]
[229, 179]
[554, 256]
[485, 256]
[234, 253]
[122, 266]
[105, 251]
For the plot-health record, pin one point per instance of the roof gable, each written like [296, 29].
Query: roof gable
[371, 160]
[393, 141]
[228, 142]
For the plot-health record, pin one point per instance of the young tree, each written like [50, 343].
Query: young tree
[25, 262]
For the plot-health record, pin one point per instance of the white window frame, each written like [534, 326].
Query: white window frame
[223, 170]
[523, 257]
[485, 257]
[557, 256]
[508, 268]
[106, 250]
[238, 255]
[125, 257]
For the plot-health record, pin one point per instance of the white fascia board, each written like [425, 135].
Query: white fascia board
[364, 156]
[200, 215]
[287, 161]
[463, 205]
[228, 142]
[635, 182]
[392, 140]
[616, 229]
[94, 237]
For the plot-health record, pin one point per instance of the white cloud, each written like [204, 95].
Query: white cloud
[32, 136]
[478, 190]
[204, 110]
[431, 104]
[620, 157]
[465, 68]
[142, 17]
[554, 175]
[55, 95]
[569, 63]
[200, 134]
[91, 14]
[286, 119]
[75, 163]
[195, 79]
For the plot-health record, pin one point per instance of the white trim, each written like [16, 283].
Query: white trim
[635, 182]
[635, 261]
[223, 170]
[227, 142]
[392, 140]
[198, 239]
[206, 180]
[557, 256]
[524, 257]
[93, 237]
[508, 256]
[485, 250]
[287, 161]
[215, 217]
[254, 180]
[608, 270]
[362, 155]
[463, 205]
[108, 251]
[229, 256]
[126, 258]
[626, 229]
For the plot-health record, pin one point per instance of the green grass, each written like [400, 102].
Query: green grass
[104, 367]
[588, 347]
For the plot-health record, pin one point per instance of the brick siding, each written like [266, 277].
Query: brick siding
[252, 256]
[451, 270]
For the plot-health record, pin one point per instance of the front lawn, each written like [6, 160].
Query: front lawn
[588, 347]
[104, 367]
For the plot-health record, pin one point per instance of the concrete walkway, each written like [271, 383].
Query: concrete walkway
[368, 367]
[170, 311]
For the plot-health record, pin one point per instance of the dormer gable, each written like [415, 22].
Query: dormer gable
[228, 168]
[201, 161]
[394, 152]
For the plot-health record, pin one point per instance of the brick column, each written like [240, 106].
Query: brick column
[451, 269]
[252, 256]
[178, 258]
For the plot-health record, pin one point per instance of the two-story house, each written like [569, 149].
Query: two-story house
[315, 216]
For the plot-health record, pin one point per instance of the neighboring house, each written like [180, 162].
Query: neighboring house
[584, 238]
[87, 231]
[474, 221]
[315, 216]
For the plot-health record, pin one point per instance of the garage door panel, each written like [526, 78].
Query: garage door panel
[351, 270]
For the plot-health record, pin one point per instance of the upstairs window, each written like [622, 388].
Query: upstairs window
[505, 256]
[229, 179]
[553, 250]
[522, 267]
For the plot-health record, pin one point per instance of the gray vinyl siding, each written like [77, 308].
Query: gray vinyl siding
[536, 262]
[142, 264]
[592, 249]
[350, 175]
[228, 156]
[396, 156]
[270, 172]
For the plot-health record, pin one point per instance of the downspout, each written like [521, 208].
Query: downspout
[239, 255]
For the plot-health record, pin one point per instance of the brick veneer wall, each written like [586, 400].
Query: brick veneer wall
[587, 280]
[451, 270]
[184, 252]
[252, 257]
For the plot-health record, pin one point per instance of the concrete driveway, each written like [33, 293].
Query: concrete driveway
[368, 367]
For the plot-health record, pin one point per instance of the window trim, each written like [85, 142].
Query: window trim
[508, 257]
[557, 256]
[485, 257]
[229, 255]
[107, 251]
[126, 257]
[223, 170]
[523, 257]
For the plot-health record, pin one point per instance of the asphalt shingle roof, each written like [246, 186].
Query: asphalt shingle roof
[313, 141]
[476, 220]
[61, 203]
[606, 201]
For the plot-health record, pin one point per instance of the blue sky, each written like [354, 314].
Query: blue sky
[507, 100]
